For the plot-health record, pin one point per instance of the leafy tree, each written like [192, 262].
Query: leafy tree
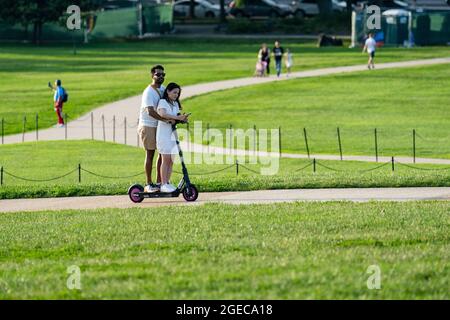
[38, 12]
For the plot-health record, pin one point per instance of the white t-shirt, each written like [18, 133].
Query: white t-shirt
[165, 141]
[150, 98]
[371, 45]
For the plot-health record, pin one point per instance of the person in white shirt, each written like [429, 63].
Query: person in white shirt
[168, 108]
[370, 46]
[289, 62]
[148, 122]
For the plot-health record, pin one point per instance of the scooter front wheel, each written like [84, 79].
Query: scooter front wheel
[133, 193]
[191, 193]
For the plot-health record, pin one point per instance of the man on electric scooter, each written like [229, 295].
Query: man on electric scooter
[148, 122]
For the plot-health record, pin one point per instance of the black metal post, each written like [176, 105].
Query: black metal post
[376, 145]
[231, 139]
[314, 165]
[237, 167]
[393, 166]
[254, 139]
[339, 140]
[279, 139]
[114, 128]
[414, 145]
[306, 141]
[103, 127]
[37, 127]
[79, 173]
[207, 135]
[1, 176]
[23, 129]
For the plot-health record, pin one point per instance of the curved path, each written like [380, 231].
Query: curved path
[125, 132]
[245, 197]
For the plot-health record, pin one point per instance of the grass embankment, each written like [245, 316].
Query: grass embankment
[393, 101]
[46, 160]
[106, 72]
[278, 251]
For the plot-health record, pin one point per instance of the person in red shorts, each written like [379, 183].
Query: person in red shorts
[58, 101]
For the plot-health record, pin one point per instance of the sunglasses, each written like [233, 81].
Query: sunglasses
[160, 74]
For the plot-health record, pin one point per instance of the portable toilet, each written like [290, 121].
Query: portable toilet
[396, 26]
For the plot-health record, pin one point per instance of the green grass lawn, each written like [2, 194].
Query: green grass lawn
[278, 251]
[46, 160]
[106, 72]
[393, 101]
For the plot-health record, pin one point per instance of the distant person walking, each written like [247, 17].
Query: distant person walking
[370, 46]
[289, 61]
[278, 53]
[59, 97]
[264, 56]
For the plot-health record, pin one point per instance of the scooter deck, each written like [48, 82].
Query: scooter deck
[174, 194]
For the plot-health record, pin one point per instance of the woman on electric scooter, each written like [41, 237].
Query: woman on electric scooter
[168, 107]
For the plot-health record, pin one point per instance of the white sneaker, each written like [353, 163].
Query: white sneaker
[168, 188]
[151, 188]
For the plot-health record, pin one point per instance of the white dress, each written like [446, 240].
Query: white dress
[289, 61]
[165, 141]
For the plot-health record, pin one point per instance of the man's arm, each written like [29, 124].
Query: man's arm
[152, 113]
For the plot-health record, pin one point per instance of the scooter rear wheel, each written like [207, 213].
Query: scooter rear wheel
[133, 193]
[191, 194]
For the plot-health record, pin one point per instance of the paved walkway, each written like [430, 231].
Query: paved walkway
[246, 197]
[81, 129]
[126, 132]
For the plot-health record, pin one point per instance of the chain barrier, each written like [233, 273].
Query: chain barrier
[303, 168]
[207, 173]
[376, 168]
[220, 170]
[110, 177]
[39, 180]
[251, 170]
[329, 168]
[424, 169]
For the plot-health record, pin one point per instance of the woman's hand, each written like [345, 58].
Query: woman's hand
[183, 117]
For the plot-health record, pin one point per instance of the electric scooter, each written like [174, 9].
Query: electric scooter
[185, 187]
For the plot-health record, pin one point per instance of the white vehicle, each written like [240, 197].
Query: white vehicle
[202, 8]
[339, 5]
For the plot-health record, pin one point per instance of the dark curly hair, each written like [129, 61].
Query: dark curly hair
[171, 86]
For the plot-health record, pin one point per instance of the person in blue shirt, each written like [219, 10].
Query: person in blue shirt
[58, 101]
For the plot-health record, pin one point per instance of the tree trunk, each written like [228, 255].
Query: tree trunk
[35, 27]
[192, 9]
[349, 6]
[222, 11]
